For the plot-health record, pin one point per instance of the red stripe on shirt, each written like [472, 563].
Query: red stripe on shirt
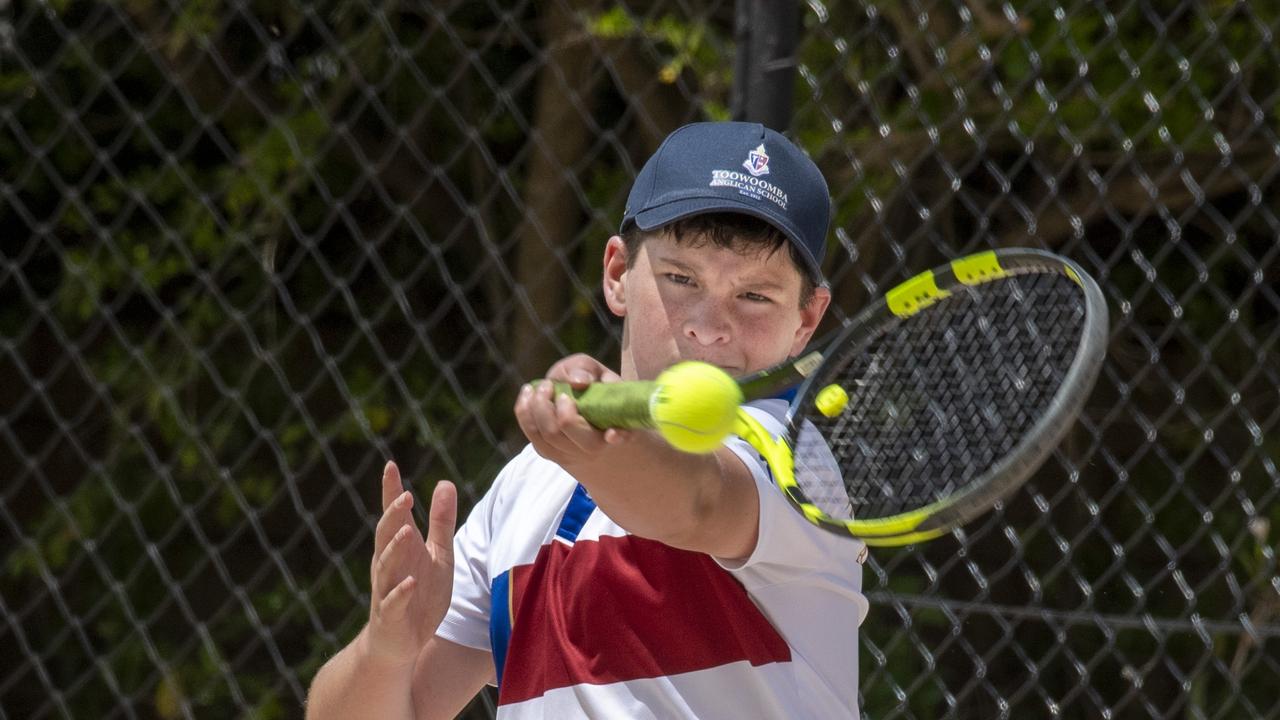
[625, 608]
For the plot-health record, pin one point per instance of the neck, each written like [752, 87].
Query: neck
[627, 366]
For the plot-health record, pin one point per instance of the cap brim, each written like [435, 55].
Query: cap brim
[688, 207]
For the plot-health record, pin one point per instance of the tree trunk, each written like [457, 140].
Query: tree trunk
[558, 140]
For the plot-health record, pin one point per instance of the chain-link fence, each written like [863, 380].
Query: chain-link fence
[251, 249]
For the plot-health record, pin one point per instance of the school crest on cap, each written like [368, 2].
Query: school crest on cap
[757, 162]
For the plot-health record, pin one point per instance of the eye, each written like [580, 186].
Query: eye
[757, 297]
[678, 279]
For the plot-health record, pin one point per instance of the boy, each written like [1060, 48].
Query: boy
[606, 574]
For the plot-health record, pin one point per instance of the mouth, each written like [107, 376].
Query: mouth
[732, 370]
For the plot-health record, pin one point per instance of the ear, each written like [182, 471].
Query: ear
[810, 315]
[615, 276]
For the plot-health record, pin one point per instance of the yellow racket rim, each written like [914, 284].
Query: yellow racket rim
[902, 529]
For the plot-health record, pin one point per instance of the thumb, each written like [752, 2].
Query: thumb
[443, 517]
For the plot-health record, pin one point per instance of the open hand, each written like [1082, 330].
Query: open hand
[412, 579]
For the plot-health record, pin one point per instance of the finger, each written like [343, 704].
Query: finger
[391, 486]
[609, 376]
[398, 515]
[535, 413]
[575, 428]
[561, 369]
[382, 574]
[395, 605]
[442, 520]
[396, 560]
[579, 379]
[542, 409]
[574, 369]
[618, 436]
[524, 415]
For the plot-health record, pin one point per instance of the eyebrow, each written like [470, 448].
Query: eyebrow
[753, 283]
[676, 263]
[765, 285]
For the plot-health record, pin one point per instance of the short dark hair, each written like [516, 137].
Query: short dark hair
[744, 234]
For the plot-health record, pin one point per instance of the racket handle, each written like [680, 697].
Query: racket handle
[613, 405]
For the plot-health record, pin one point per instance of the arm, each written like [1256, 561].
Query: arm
[447, 677]
[705, 503]
[357, 679]
[355, 683]
[411, 583]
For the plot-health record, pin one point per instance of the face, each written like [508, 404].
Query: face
[740, 312]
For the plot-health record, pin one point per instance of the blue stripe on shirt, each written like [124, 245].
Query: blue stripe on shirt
[576, 514]
[500, 621]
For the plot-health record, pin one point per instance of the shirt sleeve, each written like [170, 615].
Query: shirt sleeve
[467, 621]
[789, 548]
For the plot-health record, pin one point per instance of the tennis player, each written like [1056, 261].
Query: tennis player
[605, 574]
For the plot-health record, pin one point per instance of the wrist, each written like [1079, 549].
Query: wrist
[370, 655]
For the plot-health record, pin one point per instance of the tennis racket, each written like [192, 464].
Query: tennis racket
[928, 407]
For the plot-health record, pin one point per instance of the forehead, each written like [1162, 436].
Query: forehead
[741, 255]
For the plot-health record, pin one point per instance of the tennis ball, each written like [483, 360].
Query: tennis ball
[831, 400]
[695, 406]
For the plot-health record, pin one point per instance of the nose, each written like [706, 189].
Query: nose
[708, 323]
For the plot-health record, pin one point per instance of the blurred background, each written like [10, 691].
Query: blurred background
[250, 250]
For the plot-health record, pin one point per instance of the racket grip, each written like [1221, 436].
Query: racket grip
[613, 405]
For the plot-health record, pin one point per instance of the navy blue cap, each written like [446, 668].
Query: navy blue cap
[734, 167]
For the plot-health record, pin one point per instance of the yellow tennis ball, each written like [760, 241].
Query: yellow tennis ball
[695, 406]
[831, 400]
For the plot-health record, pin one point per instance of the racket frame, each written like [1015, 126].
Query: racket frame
[905, 300]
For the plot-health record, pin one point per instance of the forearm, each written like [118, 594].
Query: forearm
[355, 684]
[697, 502]
[705, 503]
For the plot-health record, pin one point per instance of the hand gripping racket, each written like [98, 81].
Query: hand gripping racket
[927, 408]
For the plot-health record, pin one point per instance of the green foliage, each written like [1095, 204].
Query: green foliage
[242, 336]
[689, 45]
[253, 298]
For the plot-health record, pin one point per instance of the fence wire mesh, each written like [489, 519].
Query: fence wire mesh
[251, 249]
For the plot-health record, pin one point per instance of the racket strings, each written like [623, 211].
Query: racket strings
[936, 400]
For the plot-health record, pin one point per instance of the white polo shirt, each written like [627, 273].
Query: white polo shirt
[586, 620]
